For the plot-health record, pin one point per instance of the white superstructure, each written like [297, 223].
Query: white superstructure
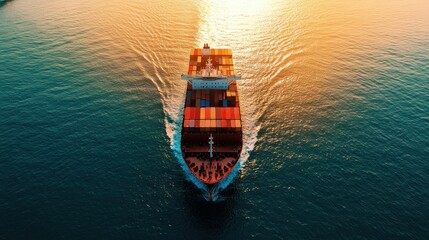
[210, 78]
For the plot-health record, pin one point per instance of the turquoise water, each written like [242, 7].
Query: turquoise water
[334, 102]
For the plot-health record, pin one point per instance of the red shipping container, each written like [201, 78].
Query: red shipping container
[218, 113]
[218, 123]
[224, 125]
[192, 113]
[236, 113]
[197, 113]
[186, 124]
[197, 123]
[187, 113]
[223, 115]
[227, 113]
[207, 113]
[232, 113]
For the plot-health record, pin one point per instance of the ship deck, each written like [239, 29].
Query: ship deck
[211, 112]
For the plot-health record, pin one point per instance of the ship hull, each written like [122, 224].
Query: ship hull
[211, 115]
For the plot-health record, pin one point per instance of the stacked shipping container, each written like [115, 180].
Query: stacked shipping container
[222, 58]
[213, 119]
[212, 110]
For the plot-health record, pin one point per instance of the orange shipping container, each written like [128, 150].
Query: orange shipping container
[202, 113]
[238, 123]
[227, 113]
[212, 113]
[186, 124]
[212, 123]
[233, 123]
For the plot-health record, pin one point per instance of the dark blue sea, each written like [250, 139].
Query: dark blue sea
[334, 102]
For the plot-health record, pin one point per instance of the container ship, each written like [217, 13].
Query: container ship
[211, 141]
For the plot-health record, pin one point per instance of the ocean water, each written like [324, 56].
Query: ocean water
[335, 105]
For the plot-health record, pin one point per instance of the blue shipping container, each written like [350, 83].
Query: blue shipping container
[224, 103]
